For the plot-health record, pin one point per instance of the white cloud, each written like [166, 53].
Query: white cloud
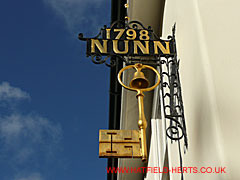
[28, 136]
[24, 137]
[15, 127]
[33, 176]
[8, 92]
[78, 12]
[32, 127]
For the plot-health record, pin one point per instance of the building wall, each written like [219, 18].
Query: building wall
[208, 44]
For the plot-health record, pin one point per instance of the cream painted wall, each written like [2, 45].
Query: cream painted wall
[208, 36]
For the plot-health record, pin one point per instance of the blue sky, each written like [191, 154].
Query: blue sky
[53, 100]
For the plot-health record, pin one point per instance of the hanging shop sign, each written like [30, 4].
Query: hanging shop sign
[139, 48]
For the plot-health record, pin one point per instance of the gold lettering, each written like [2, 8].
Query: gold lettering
[144, 35]
[115, 47]
[120, 33]
[145, 50]
[131, 34]
[108, 33]
[158, 44]
[96, 43]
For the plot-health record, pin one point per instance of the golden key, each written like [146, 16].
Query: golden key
[140, 84]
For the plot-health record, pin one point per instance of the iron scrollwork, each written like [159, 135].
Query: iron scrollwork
[172, 96]
[172, 100]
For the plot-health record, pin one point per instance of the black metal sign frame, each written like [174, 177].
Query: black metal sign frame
[129, 42]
